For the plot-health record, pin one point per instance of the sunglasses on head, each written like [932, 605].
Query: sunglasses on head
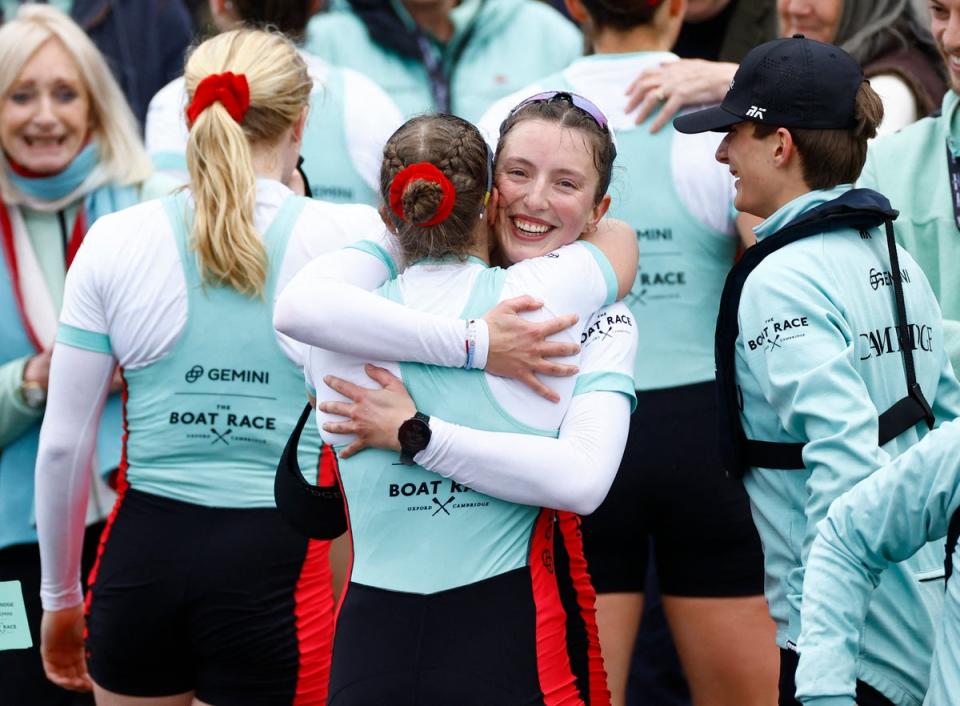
[574, 99]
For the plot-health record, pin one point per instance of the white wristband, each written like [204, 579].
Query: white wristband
[477, 344]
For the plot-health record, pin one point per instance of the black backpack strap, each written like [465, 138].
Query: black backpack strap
[917, 402]
[732, 441]
[773, 454]
[734, 446]
[739, 453]
[904, 414]
[953, 535]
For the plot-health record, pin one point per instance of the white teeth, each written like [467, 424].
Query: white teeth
[955, 60]
[528, 227]
[43, 141]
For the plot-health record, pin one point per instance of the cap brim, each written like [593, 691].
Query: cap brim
[715, 119]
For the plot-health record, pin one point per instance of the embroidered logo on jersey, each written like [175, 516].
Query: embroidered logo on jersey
[332, 193]
[223, 427]
[756, 112]
[658, 279]
[604, 326]
[882, 278]
[447, 497]
[880, 342]
[655, 234]
[777, 332]
[259, 377]
[662, 284]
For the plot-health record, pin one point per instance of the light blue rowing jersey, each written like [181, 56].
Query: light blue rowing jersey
[818, 358]
[332, 174]
[416, 531]
[206, 423]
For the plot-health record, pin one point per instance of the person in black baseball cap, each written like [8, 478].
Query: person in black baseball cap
[793, 83]
[812, 341]
[807, 102]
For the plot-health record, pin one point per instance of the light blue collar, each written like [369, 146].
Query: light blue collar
[792, 210]
[57, 186]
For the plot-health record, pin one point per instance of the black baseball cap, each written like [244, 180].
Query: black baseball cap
[795, 82]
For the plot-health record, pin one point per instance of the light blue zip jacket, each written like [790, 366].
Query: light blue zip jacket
[497, 47]
[909, 167]
[817, 359]
[883, 520]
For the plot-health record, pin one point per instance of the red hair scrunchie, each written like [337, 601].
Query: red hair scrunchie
[427, 172]
[229, 89]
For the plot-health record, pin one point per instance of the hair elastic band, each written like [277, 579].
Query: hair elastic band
[430, 173]
[229, 89]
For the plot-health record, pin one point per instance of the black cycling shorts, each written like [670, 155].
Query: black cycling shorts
[671, 489]
[523, 638]
[231, 604]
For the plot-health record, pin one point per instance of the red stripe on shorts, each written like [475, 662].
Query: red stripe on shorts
[122, 486]
[569, 526]
[335, 468]
[557, 681]
[313, 607]
[327, 470]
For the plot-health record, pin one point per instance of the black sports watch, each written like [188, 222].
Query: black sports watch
[413, 435]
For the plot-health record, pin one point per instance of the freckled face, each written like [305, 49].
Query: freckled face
[45, 115]
[547, 181]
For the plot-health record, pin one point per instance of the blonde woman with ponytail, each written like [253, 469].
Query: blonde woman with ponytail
[201, 593]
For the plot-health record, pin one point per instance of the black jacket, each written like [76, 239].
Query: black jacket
[143, 41]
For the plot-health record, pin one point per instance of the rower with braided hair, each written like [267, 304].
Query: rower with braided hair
[464, 576]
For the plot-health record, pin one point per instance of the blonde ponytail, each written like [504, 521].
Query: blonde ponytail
[229, 249]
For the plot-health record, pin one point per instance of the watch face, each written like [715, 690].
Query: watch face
[414, 434]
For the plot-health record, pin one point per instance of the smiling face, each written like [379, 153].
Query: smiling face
[751, 162]
[45, 115]
[815, 19]
[945, 26]
[547, 180]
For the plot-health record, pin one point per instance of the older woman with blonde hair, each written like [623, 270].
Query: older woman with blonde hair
[70, 153]
[201, 592]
